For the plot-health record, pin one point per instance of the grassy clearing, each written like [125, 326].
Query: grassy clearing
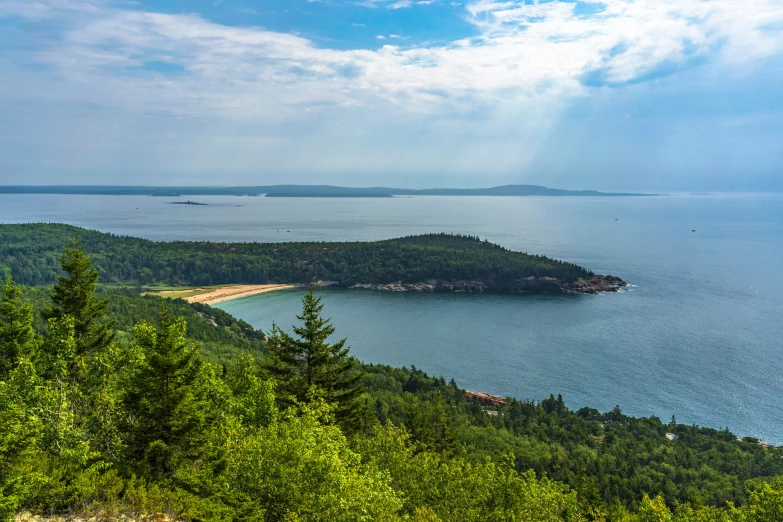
[179, 292]
[181, 295]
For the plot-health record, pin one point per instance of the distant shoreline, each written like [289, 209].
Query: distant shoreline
[595, 285]
[330, 195]
[304, 191]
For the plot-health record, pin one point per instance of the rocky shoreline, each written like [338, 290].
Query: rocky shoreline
[485, 399]
[548, 285]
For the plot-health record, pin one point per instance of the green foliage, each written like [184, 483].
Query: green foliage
[63, 436]
[31, 251]
[17, 337]
[74, 296]
[21, 429]
[164, 397]
[220, 337]
[254, 398]
[306, 364]
[456, 489]
[606, 458]
[765, 503]
[299, 468]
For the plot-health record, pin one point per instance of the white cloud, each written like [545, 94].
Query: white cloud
[527, 62]
[44, 9]
[523, 50]
[629, 38]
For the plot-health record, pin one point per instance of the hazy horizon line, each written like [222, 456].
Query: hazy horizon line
[394, 187]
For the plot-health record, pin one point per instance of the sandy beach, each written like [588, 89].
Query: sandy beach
[232, 292]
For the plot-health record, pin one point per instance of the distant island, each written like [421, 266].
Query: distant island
[188, 203]
[306, 191]
[424, 263]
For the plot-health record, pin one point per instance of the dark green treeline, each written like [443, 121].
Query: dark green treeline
[31, 253]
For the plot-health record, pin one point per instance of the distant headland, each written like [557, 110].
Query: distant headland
[423, 263]
[303, 191]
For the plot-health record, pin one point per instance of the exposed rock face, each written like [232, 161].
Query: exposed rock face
[593, 285]
[427, 286]
[322, 284]
[485, 399]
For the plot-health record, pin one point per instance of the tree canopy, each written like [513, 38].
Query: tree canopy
[307, 364]
[31, 253]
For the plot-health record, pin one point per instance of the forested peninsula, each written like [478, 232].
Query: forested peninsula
[119, 406]
[431, 262]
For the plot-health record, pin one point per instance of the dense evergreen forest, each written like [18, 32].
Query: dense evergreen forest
[31, 251]
[113, 403]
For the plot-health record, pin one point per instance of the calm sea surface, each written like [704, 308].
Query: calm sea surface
[698, 335]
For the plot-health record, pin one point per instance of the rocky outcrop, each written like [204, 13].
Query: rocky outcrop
[433, 285]
[485, 399]
[548, 285]
[592, 285]
[323, 284]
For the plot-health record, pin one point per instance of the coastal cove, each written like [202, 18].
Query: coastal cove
[596, 351]
[696, 334]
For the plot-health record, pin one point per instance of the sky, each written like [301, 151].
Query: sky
[665, 95]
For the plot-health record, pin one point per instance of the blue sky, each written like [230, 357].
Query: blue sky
[660, 95]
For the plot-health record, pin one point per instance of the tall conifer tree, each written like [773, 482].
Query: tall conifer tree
[306, 360]
[17, 337]
[165, 399]
[74, 296]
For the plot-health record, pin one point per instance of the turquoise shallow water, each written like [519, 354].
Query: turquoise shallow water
[699, 335]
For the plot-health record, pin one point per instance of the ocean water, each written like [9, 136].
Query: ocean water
[698, 335]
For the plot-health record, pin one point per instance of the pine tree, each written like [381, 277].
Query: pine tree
[419, 422]
[306, 361]
[165, 397]
[74, 296]
[444, 434]
[17, 337]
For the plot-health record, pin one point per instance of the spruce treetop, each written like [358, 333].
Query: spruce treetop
[74, 296]
[305, 364]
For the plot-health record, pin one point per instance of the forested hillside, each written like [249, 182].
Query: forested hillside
[31, 251]
[126, 404]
